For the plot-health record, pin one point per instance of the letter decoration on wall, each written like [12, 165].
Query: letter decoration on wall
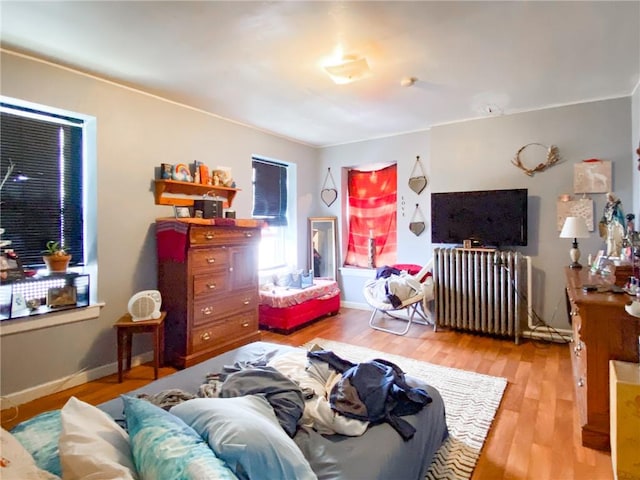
[328, 195]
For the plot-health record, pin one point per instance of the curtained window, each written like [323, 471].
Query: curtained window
[372, 206]
[42, 197]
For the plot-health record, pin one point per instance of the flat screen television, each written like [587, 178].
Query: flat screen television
[491, 218]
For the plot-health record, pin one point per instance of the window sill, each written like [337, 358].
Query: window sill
[10, 327]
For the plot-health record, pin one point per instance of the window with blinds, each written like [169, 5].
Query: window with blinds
[41, 163]
[270, 204]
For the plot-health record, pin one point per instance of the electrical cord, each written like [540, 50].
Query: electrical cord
[538, 321]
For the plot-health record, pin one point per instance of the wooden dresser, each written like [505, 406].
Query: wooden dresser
[208, 278]
[602, 331]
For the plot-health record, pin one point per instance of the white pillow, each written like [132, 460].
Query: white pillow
[92, 445]
[16, 463]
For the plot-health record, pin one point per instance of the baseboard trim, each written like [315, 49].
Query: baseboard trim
[355, 305]
[79, 378]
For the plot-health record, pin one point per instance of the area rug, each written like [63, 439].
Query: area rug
[471, 401]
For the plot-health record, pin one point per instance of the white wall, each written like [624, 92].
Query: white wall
[135, 134]
[635, 144]
[477, 155]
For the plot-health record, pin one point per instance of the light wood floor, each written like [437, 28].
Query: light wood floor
[534, 435]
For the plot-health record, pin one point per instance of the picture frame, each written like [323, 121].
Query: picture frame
[61, 296]
[181, 212]
[602, 265]
[11, 269]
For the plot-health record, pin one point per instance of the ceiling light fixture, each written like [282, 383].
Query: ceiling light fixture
[349, 69]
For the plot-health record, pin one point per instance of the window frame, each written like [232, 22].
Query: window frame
[90, 226]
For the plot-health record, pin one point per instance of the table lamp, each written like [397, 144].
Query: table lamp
[574, 227]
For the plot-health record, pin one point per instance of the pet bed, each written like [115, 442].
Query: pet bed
[284, 309]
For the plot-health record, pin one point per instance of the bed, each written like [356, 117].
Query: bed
[284, 309]
[379, 453]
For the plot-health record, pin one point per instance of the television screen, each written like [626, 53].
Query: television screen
[492, 218]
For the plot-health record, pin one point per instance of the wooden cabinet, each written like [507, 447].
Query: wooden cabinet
[210, 295]
[602, 331]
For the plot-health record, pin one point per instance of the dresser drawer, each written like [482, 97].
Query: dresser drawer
[209, 258]
[235, 303]
[206, 284]
[210, 334]
[221, 235]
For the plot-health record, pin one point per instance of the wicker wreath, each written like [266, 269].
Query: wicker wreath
[553, 157]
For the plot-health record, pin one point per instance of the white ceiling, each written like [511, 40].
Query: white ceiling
[258, 63]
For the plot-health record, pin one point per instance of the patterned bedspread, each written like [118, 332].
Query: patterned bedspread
[283, 297]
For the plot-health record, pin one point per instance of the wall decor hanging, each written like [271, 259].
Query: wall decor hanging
[329, 195]
[592, 176]
[553, 157]
[567, 206]
[417, 224]
[418, 183]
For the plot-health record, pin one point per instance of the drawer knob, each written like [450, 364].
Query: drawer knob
[248, 235]
[211, 260]
[209, 236]
[207, 311]
[245, 324]
[211, 286]
[247, 302]
[205, 337]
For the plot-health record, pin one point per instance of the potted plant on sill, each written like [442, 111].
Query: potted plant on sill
[56, 258]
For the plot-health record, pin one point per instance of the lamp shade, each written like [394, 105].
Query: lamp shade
[574, 227]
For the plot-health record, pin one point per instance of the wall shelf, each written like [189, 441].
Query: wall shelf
[166, 188]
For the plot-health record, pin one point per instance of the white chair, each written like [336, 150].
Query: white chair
[415, 308]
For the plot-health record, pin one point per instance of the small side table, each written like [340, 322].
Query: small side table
[126, 328]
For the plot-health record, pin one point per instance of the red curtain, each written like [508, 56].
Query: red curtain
[372, 212]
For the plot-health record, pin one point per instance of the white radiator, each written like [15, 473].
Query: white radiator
[480, 290]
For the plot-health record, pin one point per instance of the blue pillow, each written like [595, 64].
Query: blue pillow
[245, 433]
[39, 436]
[163, 446]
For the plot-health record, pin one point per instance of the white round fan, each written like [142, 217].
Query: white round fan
[145, 305]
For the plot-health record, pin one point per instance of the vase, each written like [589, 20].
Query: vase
[57, 263]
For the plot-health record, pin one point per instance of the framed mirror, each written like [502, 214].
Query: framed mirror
[323, 247]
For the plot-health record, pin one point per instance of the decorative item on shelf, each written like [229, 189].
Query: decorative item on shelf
[225, 177]
[181, 173]
[329, 195]
[417, 223]
[553, 157]
[574, 227]
[418, 183]
[10, 267]
[166, 170]
[181, 212]
[210, 206]
[612, 228]
[205, 178]
[56, 258]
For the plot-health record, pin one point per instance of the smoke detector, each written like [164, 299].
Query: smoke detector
[408, 81]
